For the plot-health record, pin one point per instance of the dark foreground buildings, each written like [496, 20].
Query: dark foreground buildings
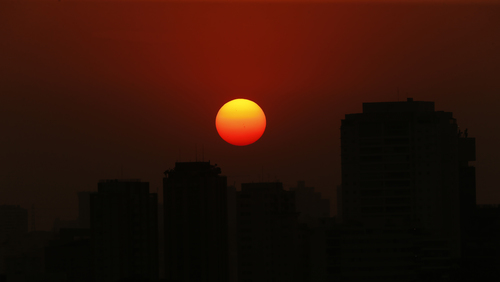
[124, 231]
[407, 192]
[406, 213]
[196, 223]
[267, 233]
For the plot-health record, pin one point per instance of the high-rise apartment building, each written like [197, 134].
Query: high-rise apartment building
[267, 233]
[405, 171]
[196, 223]
[124, 231]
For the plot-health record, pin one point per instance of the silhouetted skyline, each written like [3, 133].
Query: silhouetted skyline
[123, 90]
[381, 110]
[406, 202]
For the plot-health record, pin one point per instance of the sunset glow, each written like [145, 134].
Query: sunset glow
[240, 122]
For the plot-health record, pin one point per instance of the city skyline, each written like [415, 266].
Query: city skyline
[407, 212]
[131, 92]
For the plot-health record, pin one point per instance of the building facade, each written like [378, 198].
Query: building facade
[405, 171]
[124, 231]
[196, 223]
[267, 233]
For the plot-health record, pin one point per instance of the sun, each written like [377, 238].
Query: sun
[240, 122]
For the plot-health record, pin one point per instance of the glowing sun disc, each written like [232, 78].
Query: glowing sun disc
[240, 122]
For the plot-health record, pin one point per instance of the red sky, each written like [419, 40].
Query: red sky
[91, 89]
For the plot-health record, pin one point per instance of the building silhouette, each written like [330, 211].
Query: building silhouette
[267, 233]
[406, 192]
[232, 239]
[70, 255]
[124, 231]
[309, 203]
[482, 247]
[196, 223]
[13, 224]
[24, 257]
[313, 215]
[83, 209]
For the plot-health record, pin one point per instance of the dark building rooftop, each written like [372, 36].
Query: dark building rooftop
[408, 106]
[122, 186]
[192, 169]
[118, 180]
[262, 187]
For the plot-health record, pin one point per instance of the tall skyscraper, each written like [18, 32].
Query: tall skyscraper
[196, 223]
[267, 233]
[124, 231]
[405, 167]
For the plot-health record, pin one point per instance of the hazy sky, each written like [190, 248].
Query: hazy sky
[109, 90]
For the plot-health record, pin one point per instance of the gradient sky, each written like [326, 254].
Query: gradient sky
[95, 90]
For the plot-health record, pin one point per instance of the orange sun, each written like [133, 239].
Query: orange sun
[240, 122]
